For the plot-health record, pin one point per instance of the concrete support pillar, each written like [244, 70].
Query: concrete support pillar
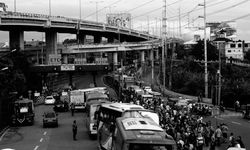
[152, 65]
[142, 57]
[157, 54]
[143, 61]
[111, 39]
[16, 38]
[51, 43]
[97, 38]
[115, 60]
[81, 37]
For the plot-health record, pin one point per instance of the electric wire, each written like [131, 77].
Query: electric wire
[102, 8]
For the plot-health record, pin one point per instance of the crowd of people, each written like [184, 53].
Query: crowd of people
[188, 127]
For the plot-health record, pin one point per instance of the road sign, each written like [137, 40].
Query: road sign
[67, 67]
[55, 59]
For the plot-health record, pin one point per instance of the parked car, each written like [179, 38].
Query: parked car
[50, 119]
[49, 100]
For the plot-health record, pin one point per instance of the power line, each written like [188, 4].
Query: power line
[140, 5]
[195, 9]
[159, 8]
[102, 8]
[224, 9]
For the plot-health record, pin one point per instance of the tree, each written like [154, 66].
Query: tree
[198, 51]
[247, 56]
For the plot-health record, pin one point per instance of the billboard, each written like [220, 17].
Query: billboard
[122, 20]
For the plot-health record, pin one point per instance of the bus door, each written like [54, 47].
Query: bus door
[106, 129]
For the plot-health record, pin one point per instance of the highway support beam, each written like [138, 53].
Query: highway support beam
[115, 61]
[143, 61]
[16, 38]
[97, 38]
[152, 65]
[51, 43]
[81, 37]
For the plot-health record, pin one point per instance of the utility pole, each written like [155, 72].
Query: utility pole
[179, 21]
[171, 66]
[96, 6]
[205, 49]
[219, 75]
[14, 5]
[50, 8]
[164, 19]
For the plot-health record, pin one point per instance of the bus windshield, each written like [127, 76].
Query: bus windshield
[149, 147]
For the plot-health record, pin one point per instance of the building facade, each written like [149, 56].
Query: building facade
[235, 49]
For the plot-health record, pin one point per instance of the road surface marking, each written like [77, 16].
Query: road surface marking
[36, 148]
[236, 123]
[45, 133]
[3, 135]
[7, 149]
[41, 139]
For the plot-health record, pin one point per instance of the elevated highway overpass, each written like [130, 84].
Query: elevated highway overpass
[16, 23]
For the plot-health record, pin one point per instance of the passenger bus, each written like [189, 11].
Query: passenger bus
[140, 134]
[91, 122]
[107, 114]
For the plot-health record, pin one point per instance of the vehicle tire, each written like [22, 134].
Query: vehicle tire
[44, 126]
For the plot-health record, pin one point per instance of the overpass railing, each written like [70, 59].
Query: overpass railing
[84, 23]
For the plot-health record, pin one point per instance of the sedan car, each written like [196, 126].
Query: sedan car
[61, 106]
[50, 119]
[49, 100]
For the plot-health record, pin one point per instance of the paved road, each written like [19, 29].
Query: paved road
[236, 125]
[38, 138]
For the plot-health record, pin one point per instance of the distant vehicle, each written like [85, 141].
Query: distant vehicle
[146, 97]
[246, 112]
[49, 100]
[61, 106]
[139, 134]
[77, 98]
[23, 112]
[155, 94]
[96, 96]
[147, 88]
[107, 114]
[50, 119]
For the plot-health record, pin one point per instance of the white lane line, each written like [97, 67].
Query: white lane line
[36, 147]
[41, 139]
[4, 134]
[236, 123]
[45, 133]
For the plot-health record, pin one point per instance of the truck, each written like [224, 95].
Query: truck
[77, 100]
[23, 112]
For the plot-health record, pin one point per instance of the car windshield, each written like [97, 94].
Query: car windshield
[50, 115]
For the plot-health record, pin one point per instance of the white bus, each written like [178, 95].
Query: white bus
[140, 134]
[107, 114]
[91, 122]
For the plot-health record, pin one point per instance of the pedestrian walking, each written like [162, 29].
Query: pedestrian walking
[74, 129]
[72, 107]
[200, 141]
[218, 135]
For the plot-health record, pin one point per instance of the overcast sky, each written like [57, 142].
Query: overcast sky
[142, 11]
